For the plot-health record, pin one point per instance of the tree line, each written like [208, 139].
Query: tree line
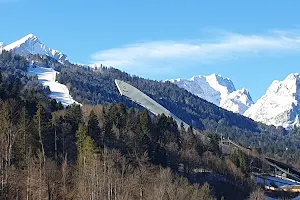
[48, 152]
[96, 86]
[109, 151]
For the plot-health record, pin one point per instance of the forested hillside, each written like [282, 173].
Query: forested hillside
[94, 87]
[108, 151]
[48, 152]
[98, 87]
[116, 150]
[67, 155]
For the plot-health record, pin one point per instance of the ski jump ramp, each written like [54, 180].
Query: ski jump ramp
[142, 99]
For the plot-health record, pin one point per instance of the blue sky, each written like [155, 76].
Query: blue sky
[252, 42]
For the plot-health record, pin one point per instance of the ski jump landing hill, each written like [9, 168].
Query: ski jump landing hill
[142, 99]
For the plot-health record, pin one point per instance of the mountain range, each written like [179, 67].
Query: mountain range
[217, 90]
[279, 106]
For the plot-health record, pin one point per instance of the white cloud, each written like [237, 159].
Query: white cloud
[163, 56]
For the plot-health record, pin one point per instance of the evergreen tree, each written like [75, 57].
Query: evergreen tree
[27, 140]
[182, 128]
[146, 123]
[43, 127]
[74, 116]
[93, 127]
[85, 146]
[190, 130]
[2, 88]
[243, 162]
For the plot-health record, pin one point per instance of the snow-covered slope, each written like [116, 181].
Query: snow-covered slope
[1, 45]
[30, 44]
[218, 90]
[238, 101]
[280, 105]
[47, 77]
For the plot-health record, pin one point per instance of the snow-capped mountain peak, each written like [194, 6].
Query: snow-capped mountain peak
[30, 38]
[218, 90]
[280, 105]
[25, 38]
[1, 45]
[30, 35]
[30, 44]
[224, 85]
[293, 76]
[238, 101]
[244, 92]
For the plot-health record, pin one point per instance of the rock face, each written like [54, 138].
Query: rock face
[280, 105]
[218, 90]
[30, 44]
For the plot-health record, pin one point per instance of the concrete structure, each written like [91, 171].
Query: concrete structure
[142, 99]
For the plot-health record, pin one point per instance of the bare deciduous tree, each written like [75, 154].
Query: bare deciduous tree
[258, 195]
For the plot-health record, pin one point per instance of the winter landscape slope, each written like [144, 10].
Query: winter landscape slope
[218, 90]
[30, 44]
[47, 77]
[280, 106]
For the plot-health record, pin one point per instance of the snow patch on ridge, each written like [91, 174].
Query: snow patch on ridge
[47, 77]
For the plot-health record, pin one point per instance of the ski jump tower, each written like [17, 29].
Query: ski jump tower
[145, 101]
